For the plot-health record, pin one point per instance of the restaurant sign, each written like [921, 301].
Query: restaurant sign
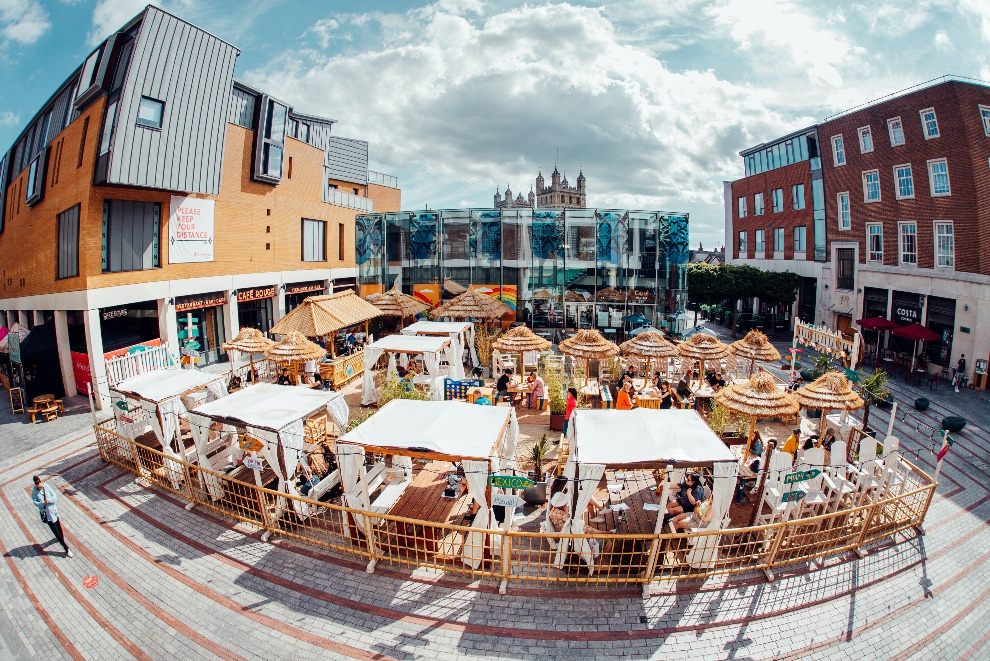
[255, 294]
[187, 303]
[506, 500]
[510, 481]
[793, 496]
[305, 288]
[801, 476]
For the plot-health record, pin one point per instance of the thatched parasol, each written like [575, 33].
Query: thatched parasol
[572, 296]
[249, 341]
[543, 294]
[394, 303]
[453, 287]
[702, 347]
[293, 349]
[472, 304]
[520, 340]
[649, 345]
[758, 398]
[829, 392]
[589, 344]
[755, 346]
[610, 295]
[318, 316]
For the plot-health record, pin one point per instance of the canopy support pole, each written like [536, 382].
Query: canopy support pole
[333, 345]
[749, 437]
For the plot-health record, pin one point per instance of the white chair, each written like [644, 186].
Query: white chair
[773, 490]
[814, 459]
[864, 472]
[893, 477]
[835, 481]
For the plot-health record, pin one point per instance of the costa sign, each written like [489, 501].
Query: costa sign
[255, 294]
[907, 314]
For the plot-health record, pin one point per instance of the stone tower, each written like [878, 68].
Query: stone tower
[560, 194]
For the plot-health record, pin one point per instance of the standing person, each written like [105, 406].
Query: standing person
[666, 395]
[571, 405]
[960, 371]
[539, 392]
[623, 400]
[45, 498]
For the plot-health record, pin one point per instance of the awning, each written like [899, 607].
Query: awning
[270, 406]
[411, 343]
[160, 385]
[646, 436]
[455, 430]
[437, 327]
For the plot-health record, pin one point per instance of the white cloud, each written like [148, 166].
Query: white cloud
[324, 29]
[8, 118]
[979, 9]
[942, 41]
[110, 15]
[22, 21]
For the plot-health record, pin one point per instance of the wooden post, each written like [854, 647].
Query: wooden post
[749, 438]
[333, 345]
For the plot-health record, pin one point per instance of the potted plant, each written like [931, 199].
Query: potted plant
[483, 339]
[537, 494]
[553, 379]
[873, 390]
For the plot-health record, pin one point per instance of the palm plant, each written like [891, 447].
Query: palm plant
[873, 390]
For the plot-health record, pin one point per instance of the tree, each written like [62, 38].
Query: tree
[707, 285]
[711, 283]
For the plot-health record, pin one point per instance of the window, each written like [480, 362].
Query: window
[871, 186]
[844, 274]
[838, 151]
[909, 244]
[68, 243]
[777, 199]
[760, 246]
[797, 196]
[945, 245]
[938, 177]
[874, 242]
[270, 141]
[929, 123]
[985, 118]
[314, 240]
[896, 130]
[106, 137]
[743, 212]
[340, 241]
[36, 180]
[904, 181]
[150, 112]
[842, 202]
[82, 143]
[865, 140]
[758, 204]
[800, 241]
[743, 248]
[778, 239]
[130, 235]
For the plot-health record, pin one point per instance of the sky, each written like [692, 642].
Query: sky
[652, 99]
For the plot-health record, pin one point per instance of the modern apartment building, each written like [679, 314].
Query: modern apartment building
[906, 199]
[155, 199]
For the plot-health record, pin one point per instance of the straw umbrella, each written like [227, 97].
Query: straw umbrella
[649, 345]
[472, 304]
[759, 397]
[249, 341]
[293, 349]
[755, 346]
[702, 347]
[589, 344]
[520, 340]
[830, 392]
[611, 295]
[453, 287]
[394, 303]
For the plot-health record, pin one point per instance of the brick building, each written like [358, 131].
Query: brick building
[906, 198]
[154, 199]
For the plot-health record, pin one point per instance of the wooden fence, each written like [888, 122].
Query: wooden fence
[532, 557]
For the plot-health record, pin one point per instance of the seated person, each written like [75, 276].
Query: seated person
[719, 381]
[400, 370]
[479, 398]
[623, 398]
[407, 379]
[477, 372]
[796, 381]
[283, 378]
[683, 390]
[690, 492]
[630, 374]
[666, 394]
[791, 444]
[711, 378]
[502, 387]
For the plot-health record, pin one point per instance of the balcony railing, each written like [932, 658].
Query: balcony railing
[382, 179]
[342, 199]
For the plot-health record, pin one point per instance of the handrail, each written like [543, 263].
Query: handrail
[640, 558]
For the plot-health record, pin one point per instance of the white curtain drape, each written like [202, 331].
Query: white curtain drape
[354, 478]
[404, 360]
[589, 475]
[474, 351]
[283, 451]
[704, 550]
[436, 388]
[199, 425]
[339, 411]
[368, 394]
[391, 372]
[508, 458]
[432, 363]
[476, 473]
[164, 418]
[454, 354]
[216, 390]
[570, 472]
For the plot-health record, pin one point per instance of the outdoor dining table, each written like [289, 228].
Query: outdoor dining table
[627, 494]
[43, 399]
[423, 500]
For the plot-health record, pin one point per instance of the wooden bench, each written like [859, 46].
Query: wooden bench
[388, 497]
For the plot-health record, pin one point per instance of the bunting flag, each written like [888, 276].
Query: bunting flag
[945, 449]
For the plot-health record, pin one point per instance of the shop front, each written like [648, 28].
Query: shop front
[124, 326]
[296, 293]
[255, 308]
[905, 308]
[200, 325]
[941, 319]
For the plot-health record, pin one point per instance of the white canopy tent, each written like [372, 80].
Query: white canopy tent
[160, 394]
[455, 330]
[275, 415]
[482, 438]
[643, 438]
[432, 348]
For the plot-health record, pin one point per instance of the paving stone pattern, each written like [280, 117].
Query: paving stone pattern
[186, 584]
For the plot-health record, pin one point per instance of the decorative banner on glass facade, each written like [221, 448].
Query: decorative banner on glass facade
[369, 238]
[547, 234]
[428, 293]
[508, 294]
[610, 236]
[423, 236]
[190, 230]
[677, 245]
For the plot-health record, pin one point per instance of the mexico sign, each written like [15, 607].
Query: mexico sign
[510, 481]
[801, 476]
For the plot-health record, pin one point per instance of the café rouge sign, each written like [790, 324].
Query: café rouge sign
[510, 481]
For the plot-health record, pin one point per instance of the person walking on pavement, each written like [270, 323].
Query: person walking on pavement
[961, 372]
[45, 498]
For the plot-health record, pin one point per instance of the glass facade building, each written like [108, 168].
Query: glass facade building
[558, 268]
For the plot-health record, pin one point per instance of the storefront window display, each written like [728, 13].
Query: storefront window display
[296, 293]
[255, 308]
[942, 320]
[200, 326]
[126, 325]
